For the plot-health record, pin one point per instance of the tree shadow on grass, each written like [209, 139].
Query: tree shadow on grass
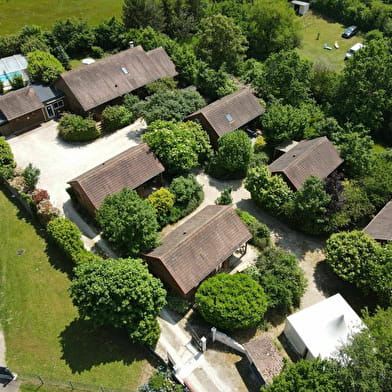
[84, 346]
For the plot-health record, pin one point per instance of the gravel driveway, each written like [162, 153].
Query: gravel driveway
[60, 162]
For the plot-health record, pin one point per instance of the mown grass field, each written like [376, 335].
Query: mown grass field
[42, 331]
[15, 14]
[313, 48]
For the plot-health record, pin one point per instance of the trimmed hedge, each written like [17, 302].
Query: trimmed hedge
[66, 236]
[7, 163]
[260, 232]
[73, 128]
[115, 117]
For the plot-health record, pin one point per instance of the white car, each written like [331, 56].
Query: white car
[353, 50]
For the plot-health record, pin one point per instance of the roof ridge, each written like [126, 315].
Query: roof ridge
[220, 210]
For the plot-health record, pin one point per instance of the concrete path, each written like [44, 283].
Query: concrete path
[14, 385]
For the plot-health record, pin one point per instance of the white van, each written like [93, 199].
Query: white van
[353, 49]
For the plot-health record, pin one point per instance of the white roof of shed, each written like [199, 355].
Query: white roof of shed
[13, 64]
[327, 325]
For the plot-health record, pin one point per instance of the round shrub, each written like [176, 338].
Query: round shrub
[162, 200]
[7, 163]
[259, 145]
[185, 188]
[73, 128]
[231, 301]
[115, 117]
[97, 52]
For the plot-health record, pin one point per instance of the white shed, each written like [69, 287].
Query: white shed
[300, 7]
[319, 330]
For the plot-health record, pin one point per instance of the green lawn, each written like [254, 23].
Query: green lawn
[42, 332]
[313, 48]
[18, 13]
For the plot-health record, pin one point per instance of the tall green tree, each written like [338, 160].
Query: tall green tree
[287, 77]
[139, 14]
[272, 27]
[365, 92]
[308, 376]
[282, 279]
[120, 293]
[221, 42]
[128, 222]
[43, 67]
[268, 191]
[233, 157]
[179, 146]
[309, 207]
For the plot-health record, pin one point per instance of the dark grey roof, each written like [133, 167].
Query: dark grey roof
[231, 112]
[20, 102]
[112, 77]
[317, 157]
[380, 228]
[46, 93]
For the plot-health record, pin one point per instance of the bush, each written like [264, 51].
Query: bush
[128, 222]
[261, 235]
[97, 52]
[7, 163]
[38, 195]
[259, 159]
[259, 144]
[179, 146]
[17, 82]
[162, 201]
[281, 277]
[31, 176]
[115, 117]
[231, 301]
[233, 156]
[188, 195]
[46, 212]
[67, 237]
[73, 128]
[43, 67]
[225, 197]
[166, 83]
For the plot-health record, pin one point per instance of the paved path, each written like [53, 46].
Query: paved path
[14, 385]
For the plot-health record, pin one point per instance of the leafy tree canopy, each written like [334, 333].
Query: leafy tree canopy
[281, 277]
[128, 222]
[179, 146]
[43, 67]
[269, 191]
[272, 27]
[231, 301]
[220, 41]
[233, 156]
[120, 293]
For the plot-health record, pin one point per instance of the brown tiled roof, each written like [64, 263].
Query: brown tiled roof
[114, 76]
[129, 169]
[193, 250]
[317, 157]
[265, 356]
[380, 228]
[231, 112]
[20, 102]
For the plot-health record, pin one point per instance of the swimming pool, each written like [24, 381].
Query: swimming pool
[9, 76]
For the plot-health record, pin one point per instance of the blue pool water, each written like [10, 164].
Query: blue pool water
[9, 76]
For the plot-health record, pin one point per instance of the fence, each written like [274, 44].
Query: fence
[41, 381]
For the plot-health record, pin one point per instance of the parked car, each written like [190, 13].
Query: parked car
[353, 50]
[350, 31]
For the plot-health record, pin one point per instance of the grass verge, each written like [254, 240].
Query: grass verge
[42, 331]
